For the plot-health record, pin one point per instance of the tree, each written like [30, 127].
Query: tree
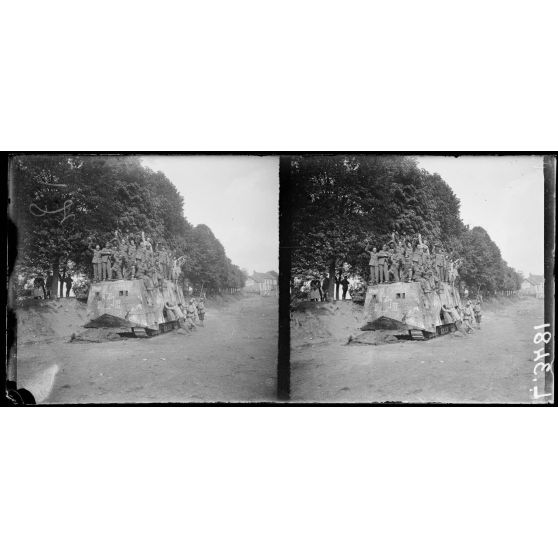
[63, 205]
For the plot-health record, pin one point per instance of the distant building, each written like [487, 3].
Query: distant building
[264, 284]
[533, 286]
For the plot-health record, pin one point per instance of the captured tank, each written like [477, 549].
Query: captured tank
[130, 304]
[408, 306]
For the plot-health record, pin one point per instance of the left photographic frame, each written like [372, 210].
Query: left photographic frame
[142, 278]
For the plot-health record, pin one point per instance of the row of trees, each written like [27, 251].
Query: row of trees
[63, 205]
[341, 202]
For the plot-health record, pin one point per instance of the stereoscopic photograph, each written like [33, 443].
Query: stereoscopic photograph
[143, 279]
[418, 279]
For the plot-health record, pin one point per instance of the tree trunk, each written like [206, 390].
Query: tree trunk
[55, 275]
[331, 286]
[338, 284]
[62, 283]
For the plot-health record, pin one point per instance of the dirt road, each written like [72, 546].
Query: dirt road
[493, 365]
[232, 359]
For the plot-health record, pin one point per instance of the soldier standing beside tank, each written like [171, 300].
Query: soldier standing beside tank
[478, 313]
[201, 310]
[373, 263]
[191, 314]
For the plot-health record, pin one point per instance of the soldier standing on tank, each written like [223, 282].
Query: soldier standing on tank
[446, 266]
[383, 255]
[132, 258]
[416, 262]
[468, 317]
[373, 263]
[123, 249]
[393, 264]
[140, 260]
[439, 263]
[400, 261]
[163, 260]
[106, 270]
[407, 263]
[118, 257]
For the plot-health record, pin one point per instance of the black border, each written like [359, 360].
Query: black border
[9, 252]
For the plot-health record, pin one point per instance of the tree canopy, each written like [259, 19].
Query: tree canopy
[339, 203]
[63, 205]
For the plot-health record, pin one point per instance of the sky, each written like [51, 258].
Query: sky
[505, 196]
[236, 196]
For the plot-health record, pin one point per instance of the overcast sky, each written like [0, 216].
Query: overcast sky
[236, 196]
[505, 196]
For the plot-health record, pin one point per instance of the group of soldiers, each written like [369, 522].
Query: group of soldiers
[194, 312]
[464, 316]
[412, 261]
[129, 257]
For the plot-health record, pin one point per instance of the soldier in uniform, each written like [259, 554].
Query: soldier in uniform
[439, 263]
[106, 254]
[140, 260]
[393, 264]
[163, 260]
[400, 264]
[96, 262]
[118, 261]
[446, 265]
[416, 261]
[407, 263]
[477, 312]
[132, 258]
[201, 310]
[468, 317]
[191, 314]
[383, 256]
[373, 263]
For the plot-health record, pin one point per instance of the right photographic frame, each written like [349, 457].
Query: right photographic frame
[418, 278]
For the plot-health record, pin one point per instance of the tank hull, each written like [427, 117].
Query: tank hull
[406, 306]
[128, 304]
